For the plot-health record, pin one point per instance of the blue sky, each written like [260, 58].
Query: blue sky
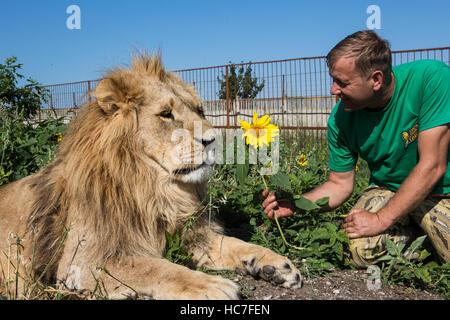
[199, 33]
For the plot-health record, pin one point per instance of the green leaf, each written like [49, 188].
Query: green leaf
[400, 247]
[424, 254]
[168, 238]
[423, 274]
[28, 143]
[320, 234]
[415, 245]
[332, 240]
[242, 172]
[339, 249]
[330, 227]
[391, 247]
[281, 181]
[342, 236]
[386, 257]
[322, 201]
[305, 204]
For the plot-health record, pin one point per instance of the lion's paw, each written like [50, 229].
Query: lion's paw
[274, 268]
[207, 287]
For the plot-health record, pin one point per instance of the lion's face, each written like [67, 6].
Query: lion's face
[175, 132]
[168, 119]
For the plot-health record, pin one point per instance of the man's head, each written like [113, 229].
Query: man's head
[361, 68]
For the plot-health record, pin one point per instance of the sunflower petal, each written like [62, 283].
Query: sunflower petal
[244, 124]
[255, 118]
[264, 121]
[261, 120]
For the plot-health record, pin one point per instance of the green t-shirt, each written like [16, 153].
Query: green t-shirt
[387, 139]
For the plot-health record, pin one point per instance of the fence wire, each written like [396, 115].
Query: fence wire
[294, 92]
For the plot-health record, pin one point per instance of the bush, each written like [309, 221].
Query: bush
[316, 244]
[25, 145]
[323, 245]
[15, 100]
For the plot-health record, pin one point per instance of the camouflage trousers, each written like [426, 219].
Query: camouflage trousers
[431, 217]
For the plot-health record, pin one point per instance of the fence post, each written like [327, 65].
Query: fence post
[337, 98]
[89, 90]
[39, 108]
[74, 100]
[228, 97]
[282, 100]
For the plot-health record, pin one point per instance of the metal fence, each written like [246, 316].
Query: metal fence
[294, 92]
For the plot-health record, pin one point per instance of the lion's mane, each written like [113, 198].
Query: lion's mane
[102, 175]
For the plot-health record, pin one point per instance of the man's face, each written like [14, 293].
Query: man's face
[355, 92]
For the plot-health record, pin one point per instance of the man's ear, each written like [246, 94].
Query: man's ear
[118, 91]
[377, 79]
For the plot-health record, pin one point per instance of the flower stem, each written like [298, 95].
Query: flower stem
[282, 235]
[278, 224]
[264, 181]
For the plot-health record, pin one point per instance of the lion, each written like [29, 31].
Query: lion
[98, 214]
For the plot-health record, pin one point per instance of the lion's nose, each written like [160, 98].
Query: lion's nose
[207, 142]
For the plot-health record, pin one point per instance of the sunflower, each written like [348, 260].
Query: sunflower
[260, 132]
[302, 160]
[58, 136]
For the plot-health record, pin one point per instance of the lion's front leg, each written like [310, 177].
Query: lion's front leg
[228, 253]
[157, 278]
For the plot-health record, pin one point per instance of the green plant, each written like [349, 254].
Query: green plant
[240, 83]
[13, 98]
[175, 249]
[308, 235]
[321, 245]
[26, 145]
[409, 267]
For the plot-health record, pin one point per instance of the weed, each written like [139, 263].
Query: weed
[312, 240]
[408, 267]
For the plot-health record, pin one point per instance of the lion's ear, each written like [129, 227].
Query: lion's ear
[104, 93]
[117, 92]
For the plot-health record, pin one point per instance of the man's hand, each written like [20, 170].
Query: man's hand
[283, 208]
[362, 223]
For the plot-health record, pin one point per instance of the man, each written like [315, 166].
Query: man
[397, 119]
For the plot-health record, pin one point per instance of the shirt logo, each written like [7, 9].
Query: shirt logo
[409, 136]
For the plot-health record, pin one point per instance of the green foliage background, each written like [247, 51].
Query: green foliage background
[239, 207]
[324, 248]
[27, 145]
[241, 83]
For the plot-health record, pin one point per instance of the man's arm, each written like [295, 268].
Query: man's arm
[432, 165]
[338, 188]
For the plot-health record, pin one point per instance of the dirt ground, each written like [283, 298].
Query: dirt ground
[342, 285]
[339, 285]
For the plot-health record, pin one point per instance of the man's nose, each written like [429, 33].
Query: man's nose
[335, 89]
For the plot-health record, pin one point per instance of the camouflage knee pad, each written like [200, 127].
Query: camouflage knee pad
[432, 215]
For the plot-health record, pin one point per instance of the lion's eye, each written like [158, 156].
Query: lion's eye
[167, 114]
